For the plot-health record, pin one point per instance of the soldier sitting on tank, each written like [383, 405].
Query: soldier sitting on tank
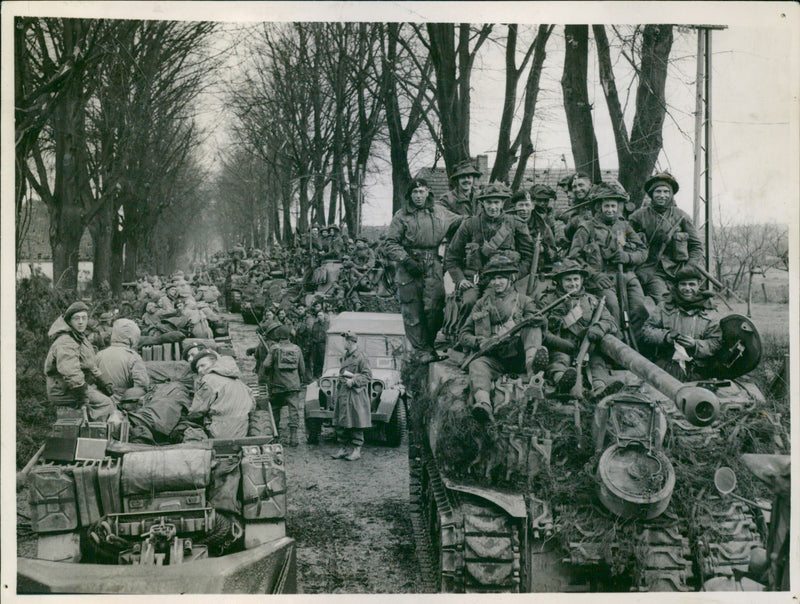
[672, 239]
[522, 205]
[684, 330]
[121, 363]
[222, 403]
[607, 242]
[364, 257]
[577, 187]
[568, 323]
[480, 237]
[500, 308]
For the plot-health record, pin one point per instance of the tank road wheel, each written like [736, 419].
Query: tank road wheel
[313, 430]
[396, 428]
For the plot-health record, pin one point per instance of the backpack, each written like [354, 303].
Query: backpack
[288, 358]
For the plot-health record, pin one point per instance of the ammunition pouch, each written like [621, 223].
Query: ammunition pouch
[680, 247]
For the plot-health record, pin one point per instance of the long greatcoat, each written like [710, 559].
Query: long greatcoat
[352, 404]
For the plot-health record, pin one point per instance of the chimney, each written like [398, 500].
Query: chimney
[482, 162]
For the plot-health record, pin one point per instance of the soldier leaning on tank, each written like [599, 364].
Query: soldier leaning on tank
[284, 370]
[684, 329]
[462, 197]
[569, 322]
[672, 240]
[500, 308]
[352, 413]
[412, 243]
[480, 237]
[222, 404]
[603, 243]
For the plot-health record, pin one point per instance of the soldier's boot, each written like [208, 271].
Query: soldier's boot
[602, 389]
[293, 440]
[354, 454]
[537, 360]
[567, 380]
[482, 408]
[341, 453]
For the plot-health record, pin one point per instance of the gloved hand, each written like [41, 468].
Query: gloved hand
[251, 351]
[595, 333]
[538, 321]
[105, 386]
[414, 267]
[670, 337]
[605, 282]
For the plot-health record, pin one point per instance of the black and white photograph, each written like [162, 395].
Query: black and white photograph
[400, 298]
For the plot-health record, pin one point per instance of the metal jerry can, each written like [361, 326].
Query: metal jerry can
[264, 484]
[52, 499]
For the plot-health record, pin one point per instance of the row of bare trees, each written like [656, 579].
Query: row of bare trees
[319, 102]
[105, 133]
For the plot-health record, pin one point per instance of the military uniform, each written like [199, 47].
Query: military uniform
[284, 369]
[494, 314]
[672, 241]
[567, 324]
[413, 244]
[454, 200]
[352, 412]
[603, 245]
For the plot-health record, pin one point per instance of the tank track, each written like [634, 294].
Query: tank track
[464, 544]
[726, 546]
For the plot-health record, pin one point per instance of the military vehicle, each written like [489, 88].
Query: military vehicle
[560, 494]
[381, 337]
[112, 516]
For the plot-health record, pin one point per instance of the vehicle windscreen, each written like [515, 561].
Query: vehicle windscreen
[383, 351]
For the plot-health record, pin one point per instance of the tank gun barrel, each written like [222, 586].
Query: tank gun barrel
[699, 405]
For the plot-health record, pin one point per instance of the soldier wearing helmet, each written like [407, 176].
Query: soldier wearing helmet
[569, 322]
[500, 308]
[461, 198]
[684, 330]
[415, 234]
[672, 239]
[480, 237]
[577, 186]
[532, 207]
[607, 241]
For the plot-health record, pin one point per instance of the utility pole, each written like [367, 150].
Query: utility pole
[703, 137]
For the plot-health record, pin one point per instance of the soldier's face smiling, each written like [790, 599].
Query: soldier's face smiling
[499, 283]
[580, 188]
[493, 206]
[689, 288]
[465, 182]
[571, 283]
[661, 195]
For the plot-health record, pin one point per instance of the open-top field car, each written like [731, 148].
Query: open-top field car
[112, 516]
[559, 494]
[381, 337]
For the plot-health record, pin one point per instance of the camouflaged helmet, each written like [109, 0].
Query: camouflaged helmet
[499, 265]
[494, 190]
[464, 168]
[542, 193]
[568, 267]
[607, 190]
[662, 178]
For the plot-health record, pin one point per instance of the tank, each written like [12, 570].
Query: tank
[111, 516]
[563, 495]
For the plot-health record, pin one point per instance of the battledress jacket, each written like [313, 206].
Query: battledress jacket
[120, 362]
[222, 401]
[454, 202]
[655, 227]
[698, 321]
[418, 229]
[568, 325]
[353, 403]
[70, 363]
[493, 314]
[602, 245]
[284, 367]
[474, 243]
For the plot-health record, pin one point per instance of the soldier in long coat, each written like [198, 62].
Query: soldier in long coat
[672, 240]
[352, 412]
[415, 234]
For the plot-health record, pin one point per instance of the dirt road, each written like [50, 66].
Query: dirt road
[350, 519]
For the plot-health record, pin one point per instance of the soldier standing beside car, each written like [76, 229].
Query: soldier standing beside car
[672, 240]
[413, 242]
[352, 413]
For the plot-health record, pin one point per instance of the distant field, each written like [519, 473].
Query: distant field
[771, 320]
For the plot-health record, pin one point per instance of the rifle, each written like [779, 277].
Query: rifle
[574, 208]
[502, 337]
[622, 296]
[534, 265]
[577, 390]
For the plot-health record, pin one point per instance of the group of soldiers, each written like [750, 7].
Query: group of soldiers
[577, 276]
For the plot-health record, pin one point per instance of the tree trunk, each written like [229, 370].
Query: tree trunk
[576, 101]
[66, 230]
[116, 262]
[651, 109]
[131, 259]
[102, 235]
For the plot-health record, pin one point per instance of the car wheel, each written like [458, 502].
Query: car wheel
[313, 431]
